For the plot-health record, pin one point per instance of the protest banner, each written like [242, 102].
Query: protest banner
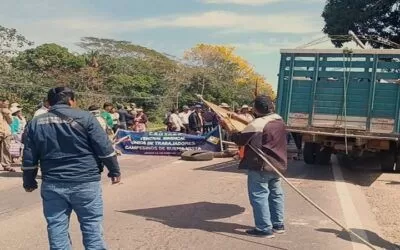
[165, 143]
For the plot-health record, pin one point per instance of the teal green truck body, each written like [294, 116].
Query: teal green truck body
[336, 97]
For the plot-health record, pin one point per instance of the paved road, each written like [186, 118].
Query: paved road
[165, 203]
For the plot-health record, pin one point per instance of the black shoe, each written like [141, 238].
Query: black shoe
[279, 229]
[258, 233]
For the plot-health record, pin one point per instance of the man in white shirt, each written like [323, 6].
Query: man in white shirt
[184, 116]
[175, 121]
[245, 114]
[44, 109]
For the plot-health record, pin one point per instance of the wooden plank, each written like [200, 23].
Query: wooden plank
[388, 65]
[339, 64]
[382, 125]
[387, 75]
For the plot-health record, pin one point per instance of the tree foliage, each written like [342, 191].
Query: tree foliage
[225, 76]
[11, 41]
[372, 20]
[119, 71]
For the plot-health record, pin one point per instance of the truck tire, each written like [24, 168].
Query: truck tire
[310, 151]
[397, 169]
[197, 155]
[344, 160]
[387, 159]
[323, 157]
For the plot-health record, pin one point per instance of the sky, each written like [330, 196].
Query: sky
[256, 28]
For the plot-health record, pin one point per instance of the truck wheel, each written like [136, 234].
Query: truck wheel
[323, 157]
[387, 160]
[344, 160]
[397, 170]
[310, 152]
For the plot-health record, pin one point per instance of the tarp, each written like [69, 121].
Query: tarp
[165, 143]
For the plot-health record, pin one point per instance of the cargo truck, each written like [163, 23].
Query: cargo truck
[344, 102]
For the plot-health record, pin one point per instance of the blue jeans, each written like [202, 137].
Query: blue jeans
[85, 199]
[266, 198]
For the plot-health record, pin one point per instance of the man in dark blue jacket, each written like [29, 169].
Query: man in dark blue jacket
[71, 148]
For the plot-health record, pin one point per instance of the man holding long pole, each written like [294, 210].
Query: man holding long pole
[268, 133]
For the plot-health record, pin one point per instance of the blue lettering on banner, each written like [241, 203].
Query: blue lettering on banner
[165, 143]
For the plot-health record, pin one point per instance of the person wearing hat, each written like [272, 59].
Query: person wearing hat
[133, 109]
[20, 116]
[5, 136]
[184, 116]
[245, 113]
[16, 126]
[225, 106]
[196, 121]
[140, 121]
[268, 133]
[174, 121]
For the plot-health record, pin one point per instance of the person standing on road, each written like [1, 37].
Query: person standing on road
[175, 121]
[184, 116]
[71, 148]
[43, 109]
[96, 112]
[268, 133]
[245, 113]
[115, 117]
[106, 114]
[124, 116]
[140, 121]
[5, 136]
[196, 121]
[209, 118]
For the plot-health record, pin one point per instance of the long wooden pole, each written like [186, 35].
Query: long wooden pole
[262, 156]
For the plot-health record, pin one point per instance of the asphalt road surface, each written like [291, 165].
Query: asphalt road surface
[165, 203]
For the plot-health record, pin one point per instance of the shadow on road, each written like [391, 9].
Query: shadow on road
[373, 238]
[363, 172]
[296, 169]
[195, 216]
[393, 183]
[199, 215]
[229, 166]
[11, 174]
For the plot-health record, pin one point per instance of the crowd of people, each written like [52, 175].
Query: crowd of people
[12, 124]
[195, 120]
[72, 149]
[113, 117]
[198, 120]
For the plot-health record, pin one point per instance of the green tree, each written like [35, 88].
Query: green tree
[375, 21]
[222, 76]
[11, 41]
[48, 57]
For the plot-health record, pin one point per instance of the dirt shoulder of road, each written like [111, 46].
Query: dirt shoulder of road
[384, 198]
[382, 192]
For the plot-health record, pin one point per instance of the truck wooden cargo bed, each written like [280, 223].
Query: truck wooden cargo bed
[356, 90]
